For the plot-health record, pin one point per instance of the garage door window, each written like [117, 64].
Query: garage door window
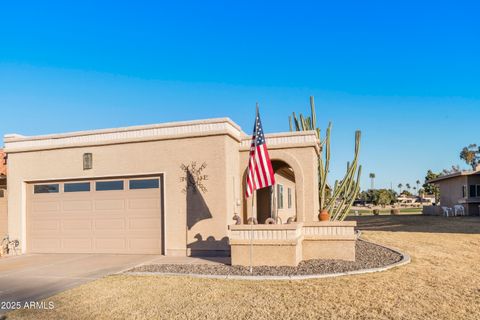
[144, 184]
[109, 185]
[77, 187]
[46, 188]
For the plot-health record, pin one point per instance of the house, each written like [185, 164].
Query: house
[170, 188]
[3, 195]
[428, 199]
[407, 200]
[3, 169]
[460, 188]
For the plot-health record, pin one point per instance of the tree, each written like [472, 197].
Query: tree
[431, 188]
[400, 187]
[418, 184]
[385, 197]
[471, 155]
[372, 177]
[378, 197]
[453, 169]
[421, 192]
[408, 186]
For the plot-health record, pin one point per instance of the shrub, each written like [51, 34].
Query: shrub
[395, 211]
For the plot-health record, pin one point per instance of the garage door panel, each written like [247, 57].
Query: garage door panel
[77, 225]
[115, 244]
[45, 226]
[146, 243]
[110, 205]
[109, 224]
[46, 245]
[80, 245]
[46, 207]
[144, 204]
[113, 221]
[77, 205]
[139, 224]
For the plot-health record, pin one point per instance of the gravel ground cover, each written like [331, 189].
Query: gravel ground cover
[368, 255]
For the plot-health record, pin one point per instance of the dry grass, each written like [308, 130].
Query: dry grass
[442, 282]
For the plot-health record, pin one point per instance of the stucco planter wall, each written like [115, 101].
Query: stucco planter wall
[329, 240]
[268, 245]
[288, 244]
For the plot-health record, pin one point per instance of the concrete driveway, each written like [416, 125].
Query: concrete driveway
[36, 276]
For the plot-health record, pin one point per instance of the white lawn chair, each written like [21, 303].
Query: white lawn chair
[459, 210]
[447, 212]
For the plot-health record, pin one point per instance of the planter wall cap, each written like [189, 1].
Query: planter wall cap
[330, 224]
[291, 226]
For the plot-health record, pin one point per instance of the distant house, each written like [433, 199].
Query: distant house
[3, 195]
[462, 188]
[428, 199]
[3, 169]
[404, 199]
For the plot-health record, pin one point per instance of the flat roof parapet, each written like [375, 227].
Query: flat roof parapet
[172, 130]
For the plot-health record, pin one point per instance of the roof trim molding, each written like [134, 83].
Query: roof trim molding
[454, 175]
[282, 140]
[172, 130]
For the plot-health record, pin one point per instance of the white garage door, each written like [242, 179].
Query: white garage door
[95, 216]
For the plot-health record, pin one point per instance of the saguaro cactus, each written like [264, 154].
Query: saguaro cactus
[344, 191]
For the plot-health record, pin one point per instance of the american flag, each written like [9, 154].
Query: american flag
[260, 171]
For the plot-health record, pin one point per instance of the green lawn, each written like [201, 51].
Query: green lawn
[385, 211]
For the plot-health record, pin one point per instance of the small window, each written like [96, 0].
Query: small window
[109, 185]
[464, 191]
[289, 198]
[87, 161]
[46, 188]
[2, 193]
[473, 191]
[144, 184]
[76, 187]
[478, 190]
[280, 196]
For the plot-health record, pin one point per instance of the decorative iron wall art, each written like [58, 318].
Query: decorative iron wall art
[194, 177]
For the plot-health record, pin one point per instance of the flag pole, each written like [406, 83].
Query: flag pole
[251, 233]
[253, 196]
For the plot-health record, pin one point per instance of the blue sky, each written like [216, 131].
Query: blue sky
[406, 73]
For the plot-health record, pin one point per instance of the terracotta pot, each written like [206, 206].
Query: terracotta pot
[324, 215]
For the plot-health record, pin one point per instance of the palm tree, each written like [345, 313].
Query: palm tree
[408, 186]
[372, 176]
[400, 188]
[418, 184]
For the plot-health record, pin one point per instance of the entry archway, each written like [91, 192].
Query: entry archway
[279, 201]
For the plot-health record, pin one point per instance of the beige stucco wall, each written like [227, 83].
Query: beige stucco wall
[3, 167]
[153, 157]
[3, 217]
[285, 212]
[451, 190]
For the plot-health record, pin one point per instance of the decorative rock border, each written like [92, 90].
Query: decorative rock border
[405, 259]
